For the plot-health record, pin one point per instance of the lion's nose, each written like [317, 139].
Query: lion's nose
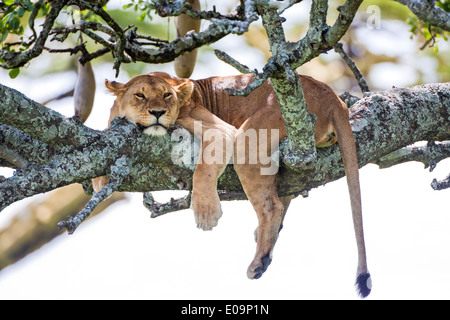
[157, 113]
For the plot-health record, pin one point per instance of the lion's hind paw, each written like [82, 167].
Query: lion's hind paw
[256, 269]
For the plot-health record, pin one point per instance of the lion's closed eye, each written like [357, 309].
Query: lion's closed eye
[167, 95]
[140, 95]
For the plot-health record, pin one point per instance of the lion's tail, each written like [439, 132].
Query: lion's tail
[349, 157]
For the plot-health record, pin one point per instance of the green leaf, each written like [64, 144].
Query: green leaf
[142, 16]
[14, 73]
[20, 12]
[29, 5]
[4, 35]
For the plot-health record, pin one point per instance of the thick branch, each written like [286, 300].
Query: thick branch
[25, 146]
[12, 157]
[288, 56]
[428, 12]
[288, 89]
[41, 123]
[382, 123]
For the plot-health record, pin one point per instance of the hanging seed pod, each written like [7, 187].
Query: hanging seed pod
[184, 64]
[84, 91]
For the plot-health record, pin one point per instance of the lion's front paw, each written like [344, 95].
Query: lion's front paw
[258, 267]
[207, 210]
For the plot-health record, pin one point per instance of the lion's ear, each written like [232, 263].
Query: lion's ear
[115, 87]
[184, 91]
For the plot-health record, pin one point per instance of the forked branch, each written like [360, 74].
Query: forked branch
[118, 172]
[441, 185]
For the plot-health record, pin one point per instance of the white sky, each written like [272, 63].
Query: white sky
[123, 254]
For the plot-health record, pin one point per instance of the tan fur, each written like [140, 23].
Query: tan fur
[208, 101]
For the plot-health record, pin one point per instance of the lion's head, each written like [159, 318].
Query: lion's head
[151, 101]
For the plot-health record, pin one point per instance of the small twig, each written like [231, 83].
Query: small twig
[158, 209]
[118, 48]
[133, 37]
[441, 185]
[429, 155]
[176, 8]
[245, 92]
[33, 15]
[85, 56]
[259, 78]
[59, 97]
[357, 73]
[432, 39]
[118, 172]
[72, 223]
[232, 62]
[72, 51]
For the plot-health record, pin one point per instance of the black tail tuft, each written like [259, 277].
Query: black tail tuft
[363, 284]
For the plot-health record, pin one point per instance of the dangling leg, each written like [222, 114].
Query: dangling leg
[216, 152]
[285, 201]
[205, 201]
[262, 193]
[254, 144]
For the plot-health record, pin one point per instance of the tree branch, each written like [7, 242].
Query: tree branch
[382, 123]
[158, 209]
[429, 155]
[41, 123]
[19, 59]
[358, 75]
[428, 12]
[118, 171]
[301, 152]
[25, 146]
[124, 43]
[288, 56]
[441, 185]
[39, 220]
[321, 38]
[12, 157]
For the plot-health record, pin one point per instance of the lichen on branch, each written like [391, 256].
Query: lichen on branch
[382, 122]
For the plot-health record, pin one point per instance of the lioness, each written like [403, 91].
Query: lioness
[157, 100]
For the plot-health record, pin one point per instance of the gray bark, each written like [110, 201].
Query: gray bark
[382, 123]
[427, 11]
[57, 151]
